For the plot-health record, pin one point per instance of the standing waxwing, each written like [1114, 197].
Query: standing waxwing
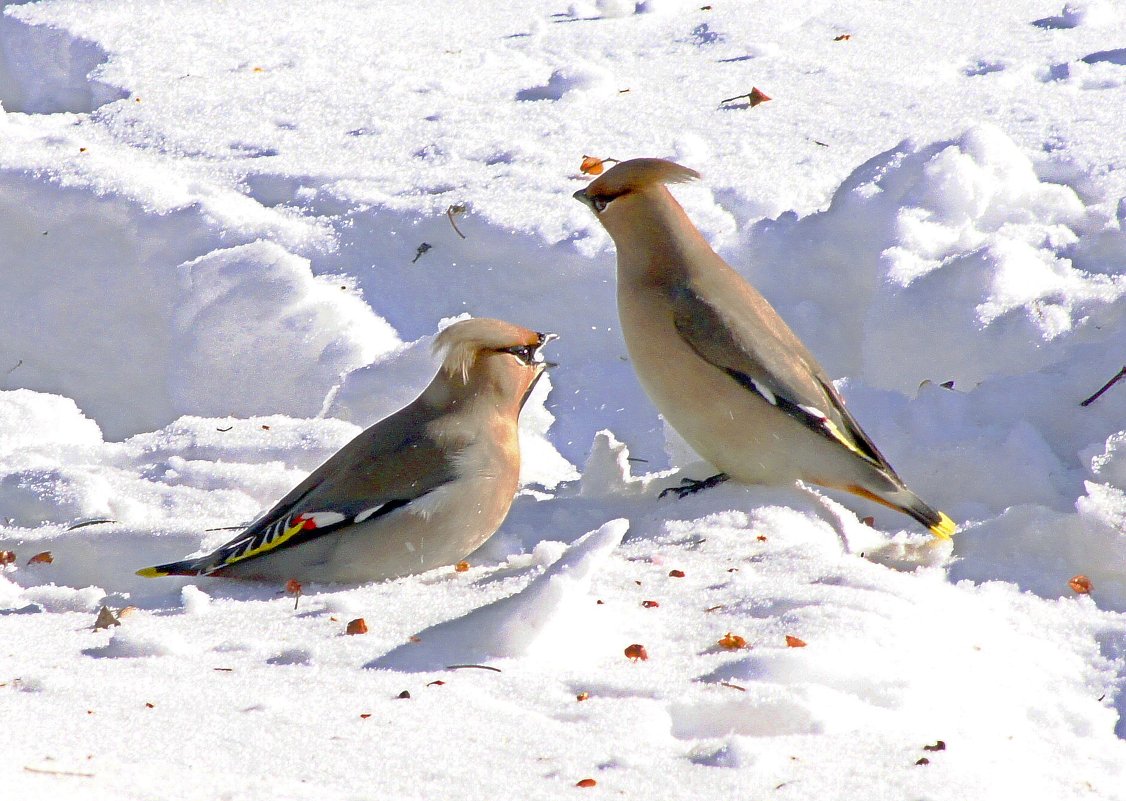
[720, 364]
[419, 489]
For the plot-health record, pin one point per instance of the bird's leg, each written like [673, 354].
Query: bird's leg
[690, 486]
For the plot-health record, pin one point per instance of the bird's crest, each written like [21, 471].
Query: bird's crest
[463, 341]
[636, 174]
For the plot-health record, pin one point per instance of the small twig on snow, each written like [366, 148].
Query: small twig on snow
[50, 772]
[85, 523]
[456, 208]
[479, 667]
[1121, 374]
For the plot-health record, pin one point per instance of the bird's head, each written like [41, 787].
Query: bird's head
[652, 233]
[485, 357]
[633, 177]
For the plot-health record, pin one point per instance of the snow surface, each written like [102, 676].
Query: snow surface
[210, 226]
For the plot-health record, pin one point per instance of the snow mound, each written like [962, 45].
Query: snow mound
[568, 80]
[126, 644]
[46, 70]
[543, 619]
[958, 255]
[254, 332]
[100, 312]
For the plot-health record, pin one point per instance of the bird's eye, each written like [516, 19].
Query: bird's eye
[525, 353]
[599, 203]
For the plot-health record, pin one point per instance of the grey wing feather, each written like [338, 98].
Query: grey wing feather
[391, 461]
[754, 346]
[383, 468]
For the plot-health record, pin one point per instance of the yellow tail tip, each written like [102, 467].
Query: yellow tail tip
[151, 572]
[944, 528]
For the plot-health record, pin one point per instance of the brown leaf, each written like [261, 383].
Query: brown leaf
[106, 618]
[637, 652]
[405, 694]
[582, 696]
[1080, 584]
[794, 642]
[592, 166]
[940, 745]
[43, 558]
[650, 604]
[585, 783]
[365, 715]
[125, 611]
[844, 37]
[461, 567]
[757, 96]
[922, 761]
[732, 642]
[869, 521]
[676, 573]
[147, 704]
[435, 683]
[7, 557]
[357, 626]
[761, 538]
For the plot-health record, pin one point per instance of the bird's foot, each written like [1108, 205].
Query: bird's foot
[690, 486]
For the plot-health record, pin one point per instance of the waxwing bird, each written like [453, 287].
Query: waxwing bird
[720, 364]
[420, 489]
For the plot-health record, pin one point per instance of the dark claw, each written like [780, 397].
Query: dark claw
[690, 486]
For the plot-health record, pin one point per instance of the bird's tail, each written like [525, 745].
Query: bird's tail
[185, 567]
[904, 500]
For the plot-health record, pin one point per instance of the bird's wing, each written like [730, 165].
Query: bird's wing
[384, 468]
[757, 349]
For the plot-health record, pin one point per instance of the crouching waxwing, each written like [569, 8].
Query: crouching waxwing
[419, 489]
[720, 364]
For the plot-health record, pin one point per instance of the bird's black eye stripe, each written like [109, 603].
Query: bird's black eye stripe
[525, 353]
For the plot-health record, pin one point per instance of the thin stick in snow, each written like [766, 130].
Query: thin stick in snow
[1121, 374]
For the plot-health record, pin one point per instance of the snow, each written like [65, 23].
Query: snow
[212, 218]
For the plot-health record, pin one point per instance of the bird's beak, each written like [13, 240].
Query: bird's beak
[544, 339]
[585, 199]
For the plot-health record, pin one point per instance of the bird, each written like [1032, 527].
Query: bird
[420, 489]
[718, 361]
